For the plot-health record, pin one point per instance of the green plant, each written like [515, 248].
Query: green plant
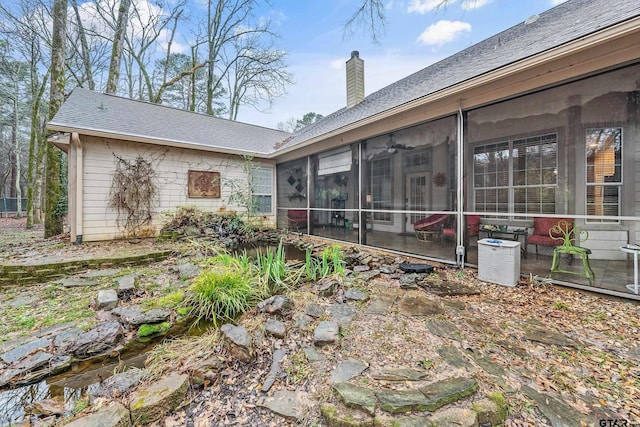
[222, 295]
[560, 305]
[427, 364]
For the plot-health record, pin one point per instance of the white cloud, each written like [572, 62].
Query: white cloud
[474, 4]
[423, 6]
[443, 32]
[557, 2]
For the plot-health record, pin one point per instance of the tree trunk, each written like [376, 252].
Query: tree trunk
[118, 42]
[84, 52]
[35, 152]
[53, 213]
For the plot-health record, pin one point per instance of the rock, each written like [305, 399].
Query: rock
[7, 375]
[116, 385]
[336, 416]
[455, 304]
[489, 412]
[347, 370]
[401, 401]
[557, 412]
[126, 284]
[447, 391]
[419, 306]
[159, 398]
[186, 271]
[361, 268]
[398, 374]
[66, 337]
[314, 310]
[342, 314]
[459, 417]
[107, 300]
[45, 408]
[21, 301]
[446, 288]
[387, 269]
[549, 337]
[100, 273]
[33, 361]
[276, 304]
[454, 358]
[443, 329]
[288, 404]
[302, 321]
[368, 276]
[278, 355]
[382, 303]
[311, 353]
[355, 295]
[113, 415]
[147, 330]
[135, 316]
[326, 287]
[491, 367]
[408, 421]
[74, 282]
[103, 337]
[240, 343]
[276, 328]
[23, 350]
[326, 333]
[356, 397]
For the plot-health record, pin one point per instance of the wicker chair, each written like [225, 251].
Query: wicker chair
[430, 228]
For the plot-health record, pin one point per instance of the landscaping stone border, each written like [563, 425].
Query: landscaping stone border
[38, 273]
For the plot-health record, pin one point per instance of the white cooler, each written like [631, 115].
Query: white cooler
[499, 261]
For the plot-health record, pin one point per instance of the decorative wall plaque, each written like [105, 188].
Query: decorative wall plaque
[204, 184]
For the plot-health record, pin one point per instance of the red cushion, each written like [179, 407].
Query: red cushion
[541, 226]
[449, 232]
[430, 222]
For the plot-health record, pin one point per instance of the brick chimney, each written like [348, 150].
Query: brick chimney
[355, 79]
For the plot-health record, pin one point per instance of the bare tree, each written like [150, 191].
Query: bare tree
[54, 212]
[118, 42]
[84, 47]
[255, 72]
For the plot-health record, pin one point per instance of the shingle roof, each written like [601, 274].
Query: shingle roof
[99, 113]
[564, 23]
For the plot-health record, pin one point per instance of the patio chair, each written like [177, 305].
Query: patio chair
[297, 219]
[542, 235]
[430, 228]
[472, 229]
[565, 234]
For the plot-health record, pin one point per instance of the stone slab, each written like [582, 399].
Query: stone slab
[443, 329]
[459, 417]
[447, 391]
[454, 357]
[288, 404]
[557, 412]
[347, 370]
[23, 350]
[338, 416]
[113, 415]
[327, 332]
[419, 306]
[402, 401]
[354, 396]
[108, 272]
[343, 314]
[382, 304]
[158, 398]
[399, 374]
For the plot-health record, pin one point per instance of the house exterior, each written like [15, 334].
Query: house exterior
[540, 120]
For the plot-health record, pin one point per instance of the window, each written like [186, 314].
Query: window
[262, 189]
[517, 176]
[381, 189]
[604, 172]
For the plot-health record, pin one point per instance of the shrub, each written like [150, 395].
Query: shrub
[222, 295]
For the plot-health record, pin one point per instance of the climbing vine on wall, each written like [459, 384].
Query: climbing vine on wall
[133, 194]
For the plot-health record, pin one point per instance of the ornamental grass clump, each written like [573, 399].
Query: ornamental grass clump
[221, 295]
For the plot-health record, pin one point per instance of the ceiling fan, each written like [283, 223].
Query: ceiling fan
[393, 147]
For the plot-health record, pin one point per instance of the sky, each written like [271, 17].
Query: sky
[417, 36]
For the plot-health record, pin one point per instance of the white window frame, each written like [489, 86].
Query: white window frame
[262, 189]
[618, 184]
[510, 187]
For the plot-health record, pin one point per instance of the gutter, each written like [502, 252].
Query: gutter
[77, 144]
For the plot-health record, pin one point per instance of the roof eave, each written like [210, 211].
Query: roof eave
[100, 133]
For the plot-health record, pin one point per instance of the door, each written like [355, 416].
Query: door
[418, 197]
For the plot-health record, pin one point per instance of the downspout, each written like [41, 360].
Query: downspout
[75, 140]
[361, 224]
[309, 181]
[460, 249]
